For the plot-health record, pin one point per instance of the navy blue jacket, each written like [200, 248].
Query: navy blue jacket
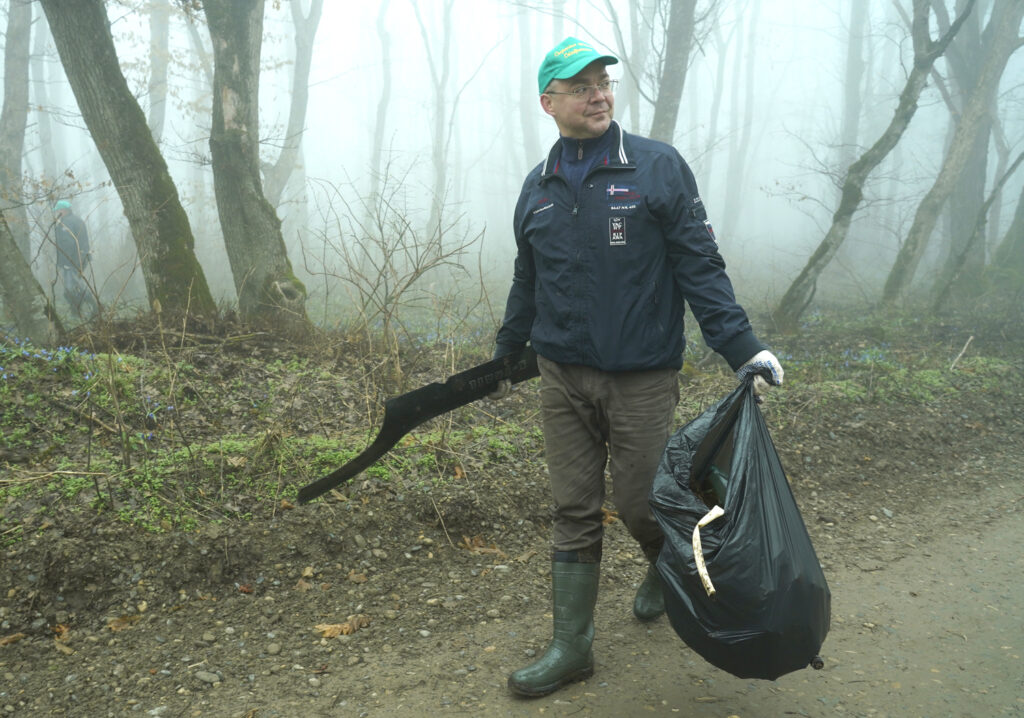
[601, 275]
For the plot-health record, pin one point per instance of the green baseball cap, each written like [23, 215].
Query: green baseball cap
[569, 57]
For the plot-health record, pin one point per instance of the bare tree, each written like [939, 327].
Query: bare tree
[276, 176]
[679, 40]
[926, 51]
[268, 291]
[13, 120]
[952, 270]
[743, 124]
[383, 102]
[118, 127]
[853, 81]
[965, 60]
[528, 89]
[40, 106]
[1007, 268]
[439, 63]
[1004, 41]
[159, 60]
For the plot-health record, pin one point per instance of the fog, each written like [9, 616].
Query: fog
[764, 93]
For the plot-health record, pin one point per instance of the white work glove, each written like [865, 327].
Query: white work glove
[501, 390]
[765, 369]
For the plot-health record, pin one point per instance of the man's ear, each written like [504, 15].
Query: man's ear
[546, 104]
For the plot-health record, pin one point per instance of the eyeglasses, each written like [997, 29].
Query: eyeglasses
[587, 91]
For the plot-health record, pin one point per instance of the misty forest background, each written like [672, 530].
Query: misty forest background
[354, 166]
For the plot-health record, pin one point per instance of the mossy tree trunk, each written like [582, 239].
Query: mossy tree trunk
[268, 291]
[118, 127]
[34, 316]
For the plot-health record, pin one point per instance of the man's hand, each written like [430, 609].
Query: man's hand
[501, 390]
[765, 369]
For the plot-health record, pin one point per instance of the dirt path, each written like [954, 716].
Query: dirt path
[939, 632]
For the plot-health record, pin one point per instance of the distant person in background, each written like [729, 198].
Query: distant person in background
[73, 257]
[613, 241]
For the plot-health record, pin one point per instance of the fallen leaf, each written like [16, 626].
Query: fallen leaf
[356, 577]
[13, 638]
[62, 632]
[477, 545]
[303, 585]
[307, 572]
[245, 588]
[286, 504]
[353, 624]
[62, 647]
[122, 622]
[610, 517]
[460, 473]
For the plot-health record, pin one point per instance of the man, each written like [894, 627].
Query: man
[612, 240]
[73, 256]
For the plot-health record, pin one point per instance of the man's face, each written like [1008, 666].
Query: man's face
[580, 117]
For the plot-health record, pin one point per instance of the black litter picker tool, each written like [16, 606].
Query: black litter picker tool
[743, 585]
[404, 413]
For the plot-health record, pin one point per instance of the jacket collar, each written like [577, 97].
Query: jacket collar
[617, 156]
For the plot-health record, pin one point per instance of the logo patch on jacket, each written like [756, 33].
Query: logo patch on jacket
[616, 231]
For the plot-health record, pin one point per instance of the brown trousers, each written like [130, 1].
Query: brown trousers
[595, 419]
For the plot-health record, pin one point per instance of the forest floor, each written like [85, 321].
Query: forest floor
[155, 562]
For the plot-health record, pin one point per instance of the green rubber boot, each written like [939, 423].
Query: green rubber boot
[650, 599]
[569, 656]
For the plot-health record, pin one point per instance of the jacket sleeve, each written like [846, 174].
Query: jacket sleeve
[697, 265]
[520, 308]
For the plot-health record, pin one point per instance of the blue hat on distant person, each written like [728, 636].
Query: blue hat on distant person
[567, 59]
[61, 204]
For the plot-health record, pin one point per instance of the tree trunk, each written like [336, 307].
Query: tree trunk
[159, 59]
[34, 316]
[800, 293]
[158, 222]
[1008, 260]
[41, 97]
[716, 101]
[1006, 19]
[853, 97]
[440, 71]
[383, 105]
[13, 120]
[678, 42]
[739, 139]
[528, 92]
[966, 58]
[268, 291]
[276, 176]
[951, 276]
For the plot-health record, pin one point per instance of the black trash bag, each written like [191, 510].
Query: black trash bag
[765, 611]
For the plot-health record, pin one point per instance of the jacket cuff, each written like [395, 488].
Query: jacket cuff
[501, 350]
[740, 348]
